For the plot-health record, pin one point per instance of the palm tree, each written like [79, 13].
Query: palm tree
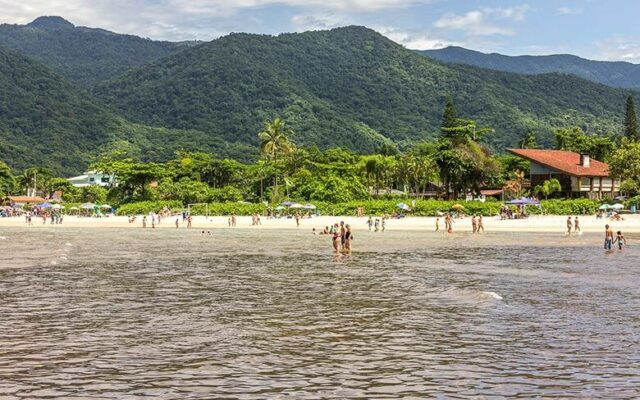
[274, 142]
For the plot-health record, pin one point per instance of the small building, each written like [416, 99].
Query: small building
[92, 178]
[578, 174]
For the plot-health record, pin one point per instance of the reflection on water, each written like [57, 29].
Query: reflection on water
[266, 314]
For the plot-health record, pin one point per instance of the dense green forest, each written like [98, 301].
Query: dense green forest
[84, 56]
[615, 74]
[350, 87]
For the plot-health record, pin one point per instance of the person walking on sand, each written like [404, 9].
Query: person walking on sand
[480, 224]
[384, 224]
[608, 237]
[576, 226]
[437, 224]
[370, 222]
[569, 225]
[297, 216]
[233, 220]
[177, 223]
[189, 220]
[144, 221]
[474, 224]
[620, 240]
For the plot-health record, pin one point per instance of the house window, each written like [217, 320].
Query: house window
[585, 183]
[105, 179]
[92, 179]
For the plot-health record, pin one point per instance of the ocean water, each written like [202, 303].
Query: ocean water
[255, 314]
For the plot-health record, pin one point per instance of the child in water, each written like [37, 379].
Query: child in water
[620, 240]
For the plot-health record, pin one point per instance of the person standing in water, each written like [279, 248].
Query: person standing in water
[348, 238]
[336, 238]
[608, 237]
[569, 225]
[620, 240]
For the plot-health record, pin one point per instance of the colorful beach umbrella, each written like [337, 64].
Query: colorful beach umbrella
[604, 207]
[403, 206]
[296, 205]
[457, 207]
[617, 206]
[88, 206]
[309, 207]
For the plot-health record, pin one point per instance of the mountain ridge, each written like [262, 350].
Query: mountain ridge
[620, 74]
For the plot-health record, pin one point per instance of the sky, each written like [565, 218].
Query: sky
[595, 29]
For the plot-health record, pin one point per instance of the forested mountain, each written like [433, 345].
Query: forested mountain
[85, 56]
[349, 87]
[616, 74]
[46, 122]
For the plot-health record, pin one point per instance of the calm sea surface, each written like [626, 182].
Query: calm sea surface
[263, 314]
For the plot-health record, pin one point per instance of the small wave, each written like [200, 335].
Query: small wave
[68, 244]
[492, 295]
[3, 238]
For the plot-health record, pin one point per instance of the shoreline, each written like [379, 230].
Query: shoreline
[543, 224]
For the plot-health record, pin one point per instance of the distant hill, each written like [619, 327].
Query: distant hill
[615, 74]
[349, 87]
[85, 56]
[45, 121]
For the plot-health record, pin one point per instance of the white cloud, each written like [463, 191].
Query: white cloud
[318, 22]
[415, 40]
[568, 11]
[483, 22]
[619, 48]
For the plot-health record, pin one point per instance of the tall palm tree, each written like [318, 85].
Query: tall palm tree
[275, 142]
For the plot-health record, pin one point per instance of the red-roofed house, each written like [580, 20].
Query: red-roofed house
[579, 175]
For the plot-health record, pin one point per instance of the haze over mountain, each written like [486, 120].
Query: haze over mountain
[617, 74]
[83, 55]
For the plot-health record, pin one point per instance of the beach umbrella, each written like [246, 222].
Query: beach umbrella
[44, 205]
[617, 206]
[402, 206]
[309, 207]
[457, 207]
[296, 205]
[88, 206]
[56, 206]
[604, 207]
[524, 201]
[106, 207]
[287, 203]
[74, 208]
[280, 208]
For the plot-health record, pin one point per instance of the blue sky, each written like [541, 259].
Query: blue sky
[596, 29]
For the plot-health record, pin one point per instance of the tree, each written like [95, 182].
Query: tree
[7, 180]
[275, 142]
[548, 188]
[630, 121]
[624, 164]
[529, 141]
[449, 116]
[598, 147]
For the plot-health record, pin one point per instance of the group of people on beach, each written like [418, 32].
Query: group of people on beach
[377, 225]
[341, 237]
[573, 225]
[610, 240]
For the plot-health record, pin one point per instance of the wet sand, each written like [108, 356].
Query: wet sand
[550, 224]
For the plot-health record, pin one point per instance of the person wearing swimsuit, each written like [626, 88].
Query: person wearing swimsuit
[608, 237]
[336, 238]
[620, 240]
[348, 238]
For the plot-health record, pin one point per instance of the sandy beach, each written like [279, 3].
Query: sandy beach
[588, 224]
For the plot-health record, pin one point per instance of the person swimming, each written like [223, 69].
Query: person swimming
[608, 237]
[620, 240]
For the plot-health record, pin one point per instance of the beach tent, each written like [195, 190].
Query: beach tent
[604, 207]
[617, 206]
[524, 201]
[403, 206]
